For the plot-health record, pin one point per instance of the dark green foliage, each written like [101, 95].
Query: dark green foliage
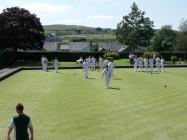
[79, 40]
[6, 58]
[98, 29]
[135, 29]
[73, 56]
[182, 37]
[174, 59]
[113, 55]
[62, 56]
[20, 29]
[164, 39]
[150, 54]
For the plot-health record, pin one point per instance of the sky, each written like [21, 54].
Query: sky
[101, 13]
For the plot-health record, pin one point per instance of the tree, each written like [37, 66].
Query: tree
[164, 39]
[19, 29]
[135, 29]
[98, 29]
[182, 37]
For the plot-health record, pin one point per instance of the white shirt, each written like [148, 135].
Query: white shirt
[162, 61]
[150, 61]
[85, 66]
[110, 65]
[107, 73]
[136, 61]
[157, 60]
[100, 59]
[56, 62]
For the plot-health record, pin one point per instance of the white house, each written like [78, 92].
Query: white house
[50, 46]
[79, 46]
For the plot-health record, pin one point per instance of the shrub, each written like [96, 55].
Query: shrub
[62, 56]
[150, 54]
[6, 58]
[173, 59]
[111, 55]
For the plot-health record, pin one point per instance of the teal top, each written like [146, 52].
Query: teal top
[20, 124]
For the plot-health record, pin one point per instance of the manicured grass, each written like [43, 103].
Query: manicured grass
[121, 62]
[64, 106]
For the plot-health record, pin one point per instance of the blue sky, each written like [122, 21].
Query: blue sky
[101, 13]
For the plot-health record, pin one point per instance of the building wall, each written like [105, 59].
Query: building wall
[79, 46]
[50, 46]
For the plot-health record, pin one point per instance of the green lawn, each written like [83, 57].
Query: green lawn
[64, 106]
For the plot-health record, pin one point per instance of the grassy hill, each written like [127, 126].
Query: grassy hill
[61, 29]
[76, 32]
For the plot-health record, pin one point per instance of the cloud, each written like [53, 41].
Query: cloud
[47, 9]
[71, 21]
[100, 17]
[41, 9]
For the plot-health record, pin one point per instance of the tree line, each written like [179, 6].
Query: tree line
[137, 30]
[19, 29]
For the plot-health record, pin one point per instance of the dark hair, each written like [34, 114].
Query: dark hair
[19, 107]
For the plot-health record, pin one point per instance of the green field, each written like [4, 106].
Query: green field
[64, 106]
[90, 37]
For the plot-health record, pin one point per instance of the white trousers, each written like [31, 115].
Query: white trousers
[107, 81]
[85, 74]
[56, 69]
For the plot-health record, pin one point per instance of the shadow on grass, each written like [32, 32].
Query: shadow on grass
[155, 72]
[116, 78]
[91, 78]
[113, 88]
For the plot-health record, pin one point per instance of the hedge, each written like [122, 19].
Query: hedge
[62, 56]
[73, 56]
[6, 58]
[166, 55]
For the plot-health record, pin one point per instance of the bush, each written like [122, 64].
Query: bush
[62, 56]
[111, 55]
[173, 59]
[150, 54]
[6, 58]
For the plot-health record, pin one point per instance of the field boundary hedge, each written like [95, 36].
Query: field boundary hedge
[73, 56]
[6, 58]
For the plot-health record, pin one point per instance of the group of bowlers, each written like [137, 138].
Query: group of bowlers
[141, 64]
[152, 64]
[44, 62]
[106, 65]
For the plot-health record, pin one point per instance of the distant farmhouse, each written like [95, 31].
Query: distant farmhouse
[52, 44]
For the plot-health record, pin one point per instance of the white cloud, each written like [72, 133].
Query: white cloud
[71, 21]
[47, 9]
[41, 9]
[100, 17]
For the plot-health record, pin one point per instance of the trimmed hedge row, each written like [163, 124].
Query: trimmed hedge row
[62, 56]
[6, 58]
[73, 56]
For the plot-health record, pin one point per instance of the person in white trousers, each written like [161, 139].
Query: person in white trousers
[111, 67]
[45, 63]
[56, 64]
[42, 61]
[151, 61]
[85, 66]
[107, 76]
[162, 64]
[136, 63]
